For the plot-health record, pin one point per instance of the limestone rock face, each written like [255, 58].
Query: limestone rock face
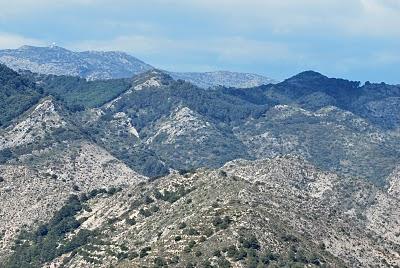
[394, 183]
[43, 116]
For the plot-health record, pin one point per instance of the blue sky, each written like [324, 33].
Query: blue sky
[354, 39]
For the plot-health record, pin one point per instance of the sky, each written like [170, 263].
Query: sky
[352, 39]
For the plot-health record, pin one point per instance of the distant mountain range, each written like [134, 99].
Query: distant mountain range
[97, 65]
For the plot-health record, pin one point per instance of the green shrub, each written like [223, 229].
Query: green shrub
[136, 204]
[148, 200]
[232, 251]
[206, 264]
[217, 253]
[224, 263]
[42, 230]
[191, 244]
[208, 232]
[133, 255]
[221, 223]
[78, 240]
[159, 262]
[182, 225]
[240, 254]
[130, 221]
[154, 209]
[157, 194]
[250, 242]
[144, 252]
[191, 231]
[190, 265]
[145, 212]
[174, 260]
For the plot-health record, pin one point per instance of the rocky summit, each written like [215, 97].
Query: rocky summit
[108, 162]
[92, 65]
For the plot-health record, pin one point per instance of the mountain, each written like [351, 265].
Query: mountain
[98, 65]
[223, 78]
[152, 171]
[45, 157]
[312, 90]
[91, 65]
[280, 212]
[154, 123]
[189, 127]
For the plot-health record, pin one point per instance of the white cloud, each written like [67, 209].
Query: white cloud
[23, 7]
[347, 17]
[14, 41]
[378, 18]
[361, 17]
[224, 49]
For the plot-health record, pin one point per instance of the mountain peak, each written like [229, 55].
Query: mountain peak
[25, 47]
[44, 48]
[307, 75]
[313, 81]
[57, 60]
[152, 78]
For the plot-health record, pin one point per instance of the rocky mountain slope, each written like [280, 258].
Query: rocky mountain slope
[275, 212]
[187, 127]
[47, 160]
[154, 123]
[152, 171]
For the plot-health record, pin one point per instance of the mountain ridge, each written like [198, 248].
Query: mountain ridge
[91, 65]
[96, 65]
[152, 171]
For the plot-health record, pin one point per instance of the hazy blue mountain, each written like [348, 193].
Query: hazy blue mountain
[92, 65]
[223, 78]
[96, 65]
